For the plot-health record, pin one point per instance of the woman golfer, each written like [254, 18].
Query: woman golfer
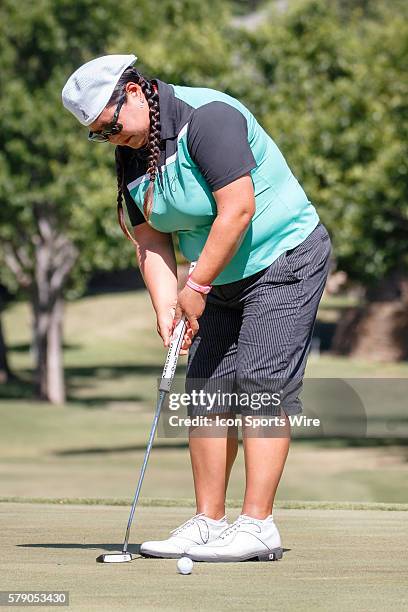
[195, 161]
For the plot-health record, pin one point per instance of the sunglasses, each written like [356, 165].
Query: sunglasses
[113, 127]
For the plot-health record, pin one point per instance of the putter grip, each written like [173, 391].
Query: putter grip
[173, 352]
[172, 356]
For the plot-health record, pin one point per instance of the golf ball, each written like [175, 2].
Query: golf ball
[184, 565]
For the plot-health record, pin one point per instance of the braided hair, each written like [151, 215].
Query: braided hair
[131, 75]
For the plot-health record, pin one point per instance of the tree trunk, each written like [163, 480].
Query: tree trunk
[39, 347]
[54, 259]
[379, 330]
[55, 370]
[44, 275]
[42, 309]
[47, 350]
[5, 372]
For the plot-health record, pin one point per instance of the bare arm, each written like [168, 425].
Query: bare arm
[157, 262]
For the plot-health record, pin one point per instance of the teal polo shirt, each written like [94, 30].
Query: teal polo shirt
[208, 140]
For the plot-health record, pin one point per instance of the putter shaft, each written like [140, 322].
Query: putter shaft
[164, 388]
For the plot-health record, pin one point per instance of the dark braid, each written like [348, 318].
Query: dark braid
[152, 97]
[120, 173]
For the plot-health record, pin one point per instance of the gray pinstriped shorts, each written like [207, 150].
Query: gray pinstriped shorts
[255, 333]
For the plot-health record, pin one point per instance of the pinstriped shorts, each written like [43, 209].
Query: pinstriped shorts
[255, 335]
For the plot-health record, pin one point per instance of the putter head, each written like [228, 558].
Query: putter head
[114, 558]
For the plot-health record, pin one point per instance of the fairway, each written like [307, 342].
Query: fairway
[334, 559]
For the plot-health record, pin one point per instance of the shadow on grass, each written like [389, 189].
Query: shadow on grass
[349, 442]
[21, 387]
[114, 371]
[165, 446]
[134, 549]
[103, 401]
[97, 450]
[26, 348]
[18, 388]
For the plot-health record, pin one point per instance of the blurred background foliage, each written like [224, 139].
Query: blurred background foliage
[338, 108]
[326, 79]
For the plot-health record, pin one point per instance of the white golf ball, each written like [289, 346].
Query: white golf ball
[184, 565]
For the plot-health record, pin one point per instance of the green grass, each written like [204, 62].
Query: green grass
[93, 446]
[333, 560]
[68, 473]
[165, 502]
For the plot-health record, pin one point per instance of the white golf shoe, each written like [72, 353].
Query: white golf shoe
[247, 538]
[196, 531]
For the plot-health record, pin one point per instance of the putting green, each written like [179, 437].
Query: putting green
[337, 559]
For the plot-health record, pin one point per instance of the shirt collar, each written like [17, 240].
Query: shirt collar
[168, 120]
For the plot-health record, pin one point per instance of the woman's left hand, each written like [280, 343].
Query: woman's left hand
[191, 304]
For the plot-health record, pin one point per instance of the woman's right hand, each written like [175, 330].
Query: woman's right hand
[165, 320]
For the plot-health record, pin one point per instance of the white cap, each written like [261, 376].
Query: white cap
[89, 88]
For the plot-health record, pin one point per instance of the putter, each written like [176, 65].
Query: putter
[164, 388]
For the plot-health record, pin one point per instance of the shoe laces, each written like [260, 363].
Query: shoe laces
[198, 520]
[241, 520]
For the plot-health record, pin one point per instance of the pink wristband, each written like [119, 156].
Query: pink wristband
[200, 288]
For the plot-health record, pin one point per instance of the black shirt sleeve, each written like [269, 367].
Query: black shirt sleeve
[135, 215]
[217, 140]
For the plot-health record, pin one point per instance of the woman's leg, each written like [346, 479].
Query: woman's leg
[264, 462]
[212, 457]
[211, 367]
[278, 320]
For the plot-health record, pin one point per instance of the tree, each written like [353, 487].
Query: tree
[330, 87]
[57, 191]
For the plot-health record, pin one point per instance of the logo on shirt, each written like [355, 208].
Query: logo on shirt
[173, 183]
